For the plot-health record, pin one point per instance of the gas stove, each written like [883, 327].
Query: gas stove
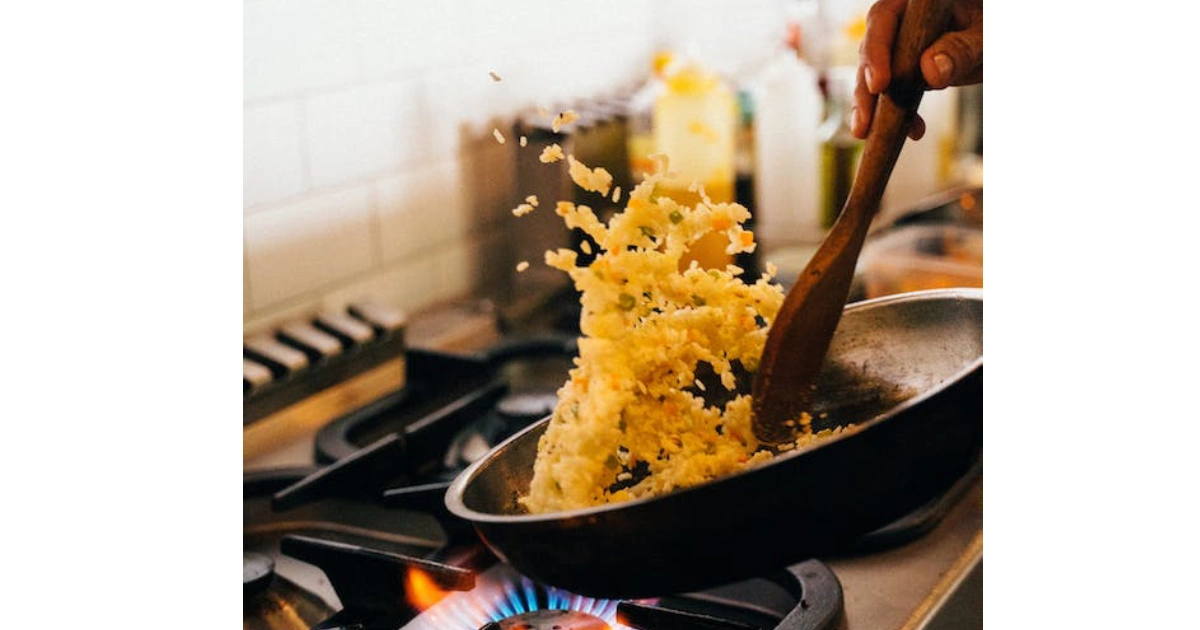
[346, 528]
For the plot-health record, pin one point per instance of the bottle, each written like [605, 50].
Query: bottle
[925, 167]
[745, 168]
[788, 111]
[640, 117]
[695, 119]
[840, 150]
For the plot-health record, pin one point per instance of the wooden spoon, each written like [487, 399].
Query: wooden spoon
[799, 338]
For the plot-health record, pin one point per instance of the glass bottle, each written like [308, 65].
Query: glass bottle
[695, 120]
[744, 174]
[840, 151]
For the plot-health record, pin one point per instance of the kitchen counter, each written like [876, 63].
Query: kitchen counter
[934, 582]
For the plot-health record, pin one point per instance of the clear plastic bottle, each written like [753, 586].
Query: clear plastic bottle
[788, 108]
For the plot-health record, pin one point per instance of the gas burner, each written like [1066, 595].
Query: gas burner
[500, 595]
[383, 590]
[805, 596]
[550, 620]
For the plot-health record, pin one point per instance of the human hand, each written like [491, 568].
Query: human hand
[956, 58]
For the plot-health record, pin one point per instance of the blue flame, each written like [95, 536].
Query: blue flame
[530, 592]
[510, 590]
[499, 593]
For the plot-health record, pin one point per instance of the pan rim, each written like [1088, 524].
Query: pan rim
[456, 504]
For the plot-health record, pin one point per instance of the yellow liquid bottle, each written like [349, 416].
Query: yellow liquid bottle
[695, 120]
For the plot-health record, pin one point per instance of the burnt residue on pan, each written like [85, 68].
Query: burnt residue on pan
[849, 394]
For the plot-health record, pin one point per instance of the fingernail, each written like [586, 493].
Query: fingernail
[870, 77]
[945, 65]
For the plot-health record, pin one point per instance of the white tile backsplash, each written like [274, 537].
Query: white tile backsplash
[452, 267]
[273, 161]
[462, 102]
[504, 31]
[369, 169]
[294, 46]
[400, 38]
[364, 131]
[309, 245]
[406, 286]
[422, 210]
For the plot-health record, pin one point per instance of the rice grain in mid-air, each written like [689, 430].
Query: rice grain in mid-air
[551, 154]
[565, 118]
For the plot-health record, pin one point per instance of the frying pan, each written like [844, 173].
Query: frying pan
[906, 369]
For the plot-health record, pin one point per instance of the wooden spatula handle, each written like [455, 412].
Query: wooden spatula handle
[921, 24]
[799, 338]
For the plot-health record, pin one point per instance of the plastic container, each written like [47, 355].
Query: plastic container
[788, 185]
[922, 257]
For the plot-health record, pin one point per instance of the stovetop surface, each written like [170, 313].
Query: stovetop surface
[921, 575]
[915, 585]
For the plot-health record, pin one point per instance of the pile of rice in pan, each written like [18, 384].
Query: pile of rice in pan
[657, 337]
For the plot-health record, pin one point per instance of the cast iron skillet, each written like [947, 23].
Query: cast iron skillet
[908, 369]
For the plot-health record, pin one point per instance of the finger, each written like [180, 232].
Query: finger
[916, 130]
[954, 59]
[875, 53]
[864, 106]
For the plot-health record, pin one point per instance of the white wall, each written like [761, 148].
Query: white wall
[369, 166]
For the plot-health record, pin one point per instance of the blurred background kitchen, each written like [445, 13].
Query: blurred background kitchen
[372, 171]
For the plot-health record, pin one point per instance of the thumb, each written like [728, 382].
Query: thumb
[954, 59]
